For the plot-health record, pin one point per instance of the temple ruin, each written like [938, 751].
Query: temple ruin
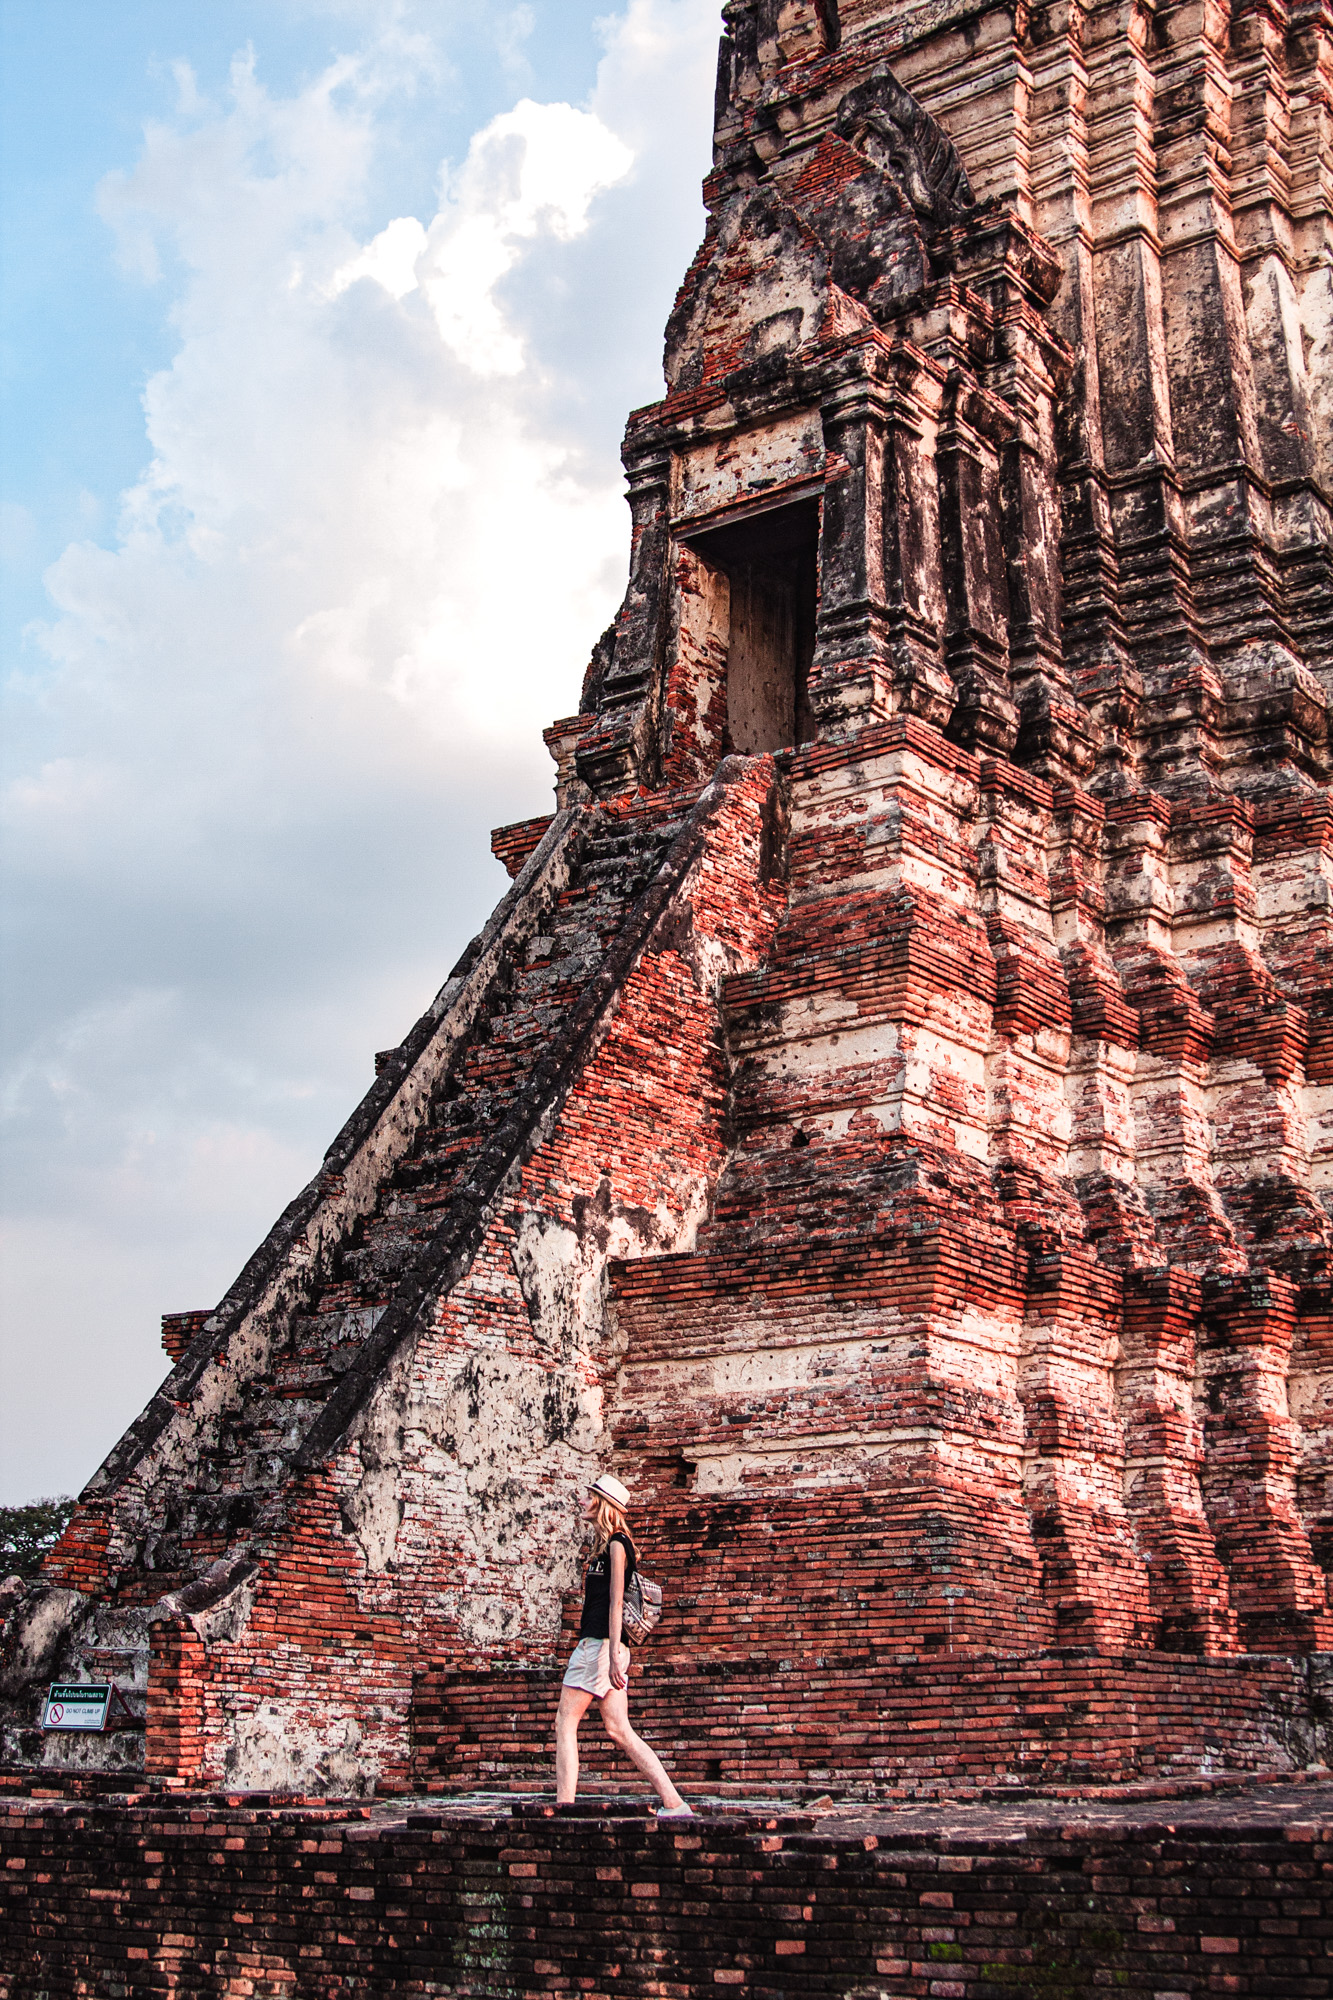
[889, 1119]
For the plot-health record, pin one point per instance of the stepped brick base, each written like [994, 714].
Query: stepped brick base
[854, 1725]
[246, 1897]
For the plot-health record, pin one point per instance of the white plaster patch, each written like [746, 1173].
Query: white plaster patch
[37, 1634]
[1319, 1115]
[372, 1511]
[277, 1747]
[742, 466]
[560, 1272]
[500, 1411]
[765, 1370]
[836, 1458]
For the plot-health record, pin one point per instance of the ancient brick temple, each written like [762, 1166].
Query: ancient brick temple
[890, 1118]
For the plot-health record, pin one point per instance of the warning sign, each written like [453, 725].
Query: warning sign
[77, 1705]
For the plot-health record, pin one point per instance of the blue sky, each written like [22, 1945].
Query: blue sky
[321, 320]
[79, 80]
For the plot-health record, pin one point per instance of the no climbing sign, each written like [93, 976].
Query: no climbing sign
[82, 1705]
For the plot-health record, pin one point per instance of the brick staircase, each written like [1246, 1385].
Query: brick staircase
[529, 999]
[529, 1002]
[233, 1489]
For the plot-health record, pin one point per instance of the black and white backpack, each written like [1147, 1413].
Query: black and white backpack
[641, 1610]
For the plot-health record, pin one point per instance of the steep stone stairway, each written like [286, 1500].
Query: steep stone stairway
[227, 1490]
[527, 1002]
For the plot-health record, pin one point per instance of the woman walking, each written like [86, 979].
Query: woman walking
[598, 1669]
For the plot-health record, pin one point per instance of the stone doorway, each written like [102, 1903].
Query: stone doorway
[771, 563]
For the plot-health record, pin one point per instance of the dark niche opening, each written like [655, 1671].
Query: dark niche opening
[771, 562]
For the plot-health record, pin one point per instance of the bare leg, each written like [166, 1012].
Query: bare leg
[616, 1722]
[573, 1707]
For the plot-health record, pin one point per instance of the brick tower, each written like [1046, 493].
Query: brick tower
[890, 1117]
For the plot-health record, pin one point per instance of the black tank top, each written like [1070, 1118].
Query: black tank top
[596, 1620]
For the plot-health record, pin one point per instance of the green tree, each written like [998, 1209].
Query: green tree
[27, 1533]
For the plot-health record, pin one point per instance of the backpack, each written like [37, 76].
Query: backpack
[641, 1610]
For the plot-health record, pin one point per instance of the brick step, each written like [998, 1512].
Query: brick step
[891, 967]
[901, 842]
[912, 1263]
[887, 909]
[834, 1189]
[626, 861]
[791, 1098]
[815, 922]
[858, 1724]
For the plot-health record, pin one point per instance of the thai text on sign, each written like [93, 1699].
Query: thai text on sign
[77, 1705]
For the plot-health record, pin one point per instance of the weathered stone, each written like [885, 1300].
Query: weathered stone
[891, 1115]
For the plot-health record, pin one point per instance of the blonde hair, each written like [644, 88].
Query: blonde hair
[609, 1520]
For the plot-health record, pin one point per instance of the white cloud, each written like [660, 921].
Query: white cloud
[391, 259]
[256, 751]
[537, 167]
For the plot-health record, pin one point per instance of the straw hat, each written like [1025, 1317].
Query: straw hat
[611, 1489]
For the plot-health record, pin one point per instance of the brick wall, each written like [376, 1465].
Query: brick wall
[261, 1898]
[852, 1722]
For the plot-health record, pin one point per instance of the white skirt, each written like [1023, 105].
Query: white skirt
[589, 1667]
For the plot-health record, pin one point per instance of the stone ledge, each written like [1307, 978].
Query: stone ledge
[232, 1893]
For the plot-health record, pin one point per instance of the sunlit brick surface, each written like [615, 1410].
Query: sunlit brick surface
[890, 1117]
